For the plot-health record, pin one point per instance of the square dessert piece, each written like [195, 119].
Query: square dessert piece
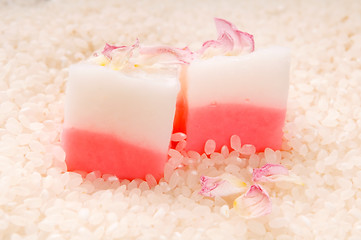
[242, 95]
[118, 122]
[231, 89]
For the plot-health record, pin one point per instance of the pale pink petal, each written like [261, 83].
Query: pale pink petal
[119, 56]
[109, 48]
[224, 185]
[242, 41]
[275, 173]
[230, 41]
[254, 203]
[165, 54]
[223, 44]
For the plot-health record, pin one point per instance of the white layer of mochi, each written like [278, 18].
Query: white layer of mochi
[138, 108]
[260, 78]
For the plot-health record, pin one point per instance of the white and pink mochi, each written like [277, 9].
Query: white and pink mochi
[118, 123]
[242, 95]
[122, 105]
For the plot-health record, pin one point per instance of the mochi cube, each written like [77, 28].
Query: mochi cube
[243, 95]
[118, 122]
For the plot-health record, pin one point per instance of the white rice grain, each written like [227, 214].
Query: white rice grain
[236, 143]
[210, 146]
[248, 149]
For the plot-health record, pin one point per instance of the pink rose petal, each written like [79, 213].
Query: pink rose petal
[242, 41]
[254, 203]
[109, 48]
[119, 55]
[224, 185]
[275, 173]
[165, 54]
[269, 173]
[223, 44]
[231, 41]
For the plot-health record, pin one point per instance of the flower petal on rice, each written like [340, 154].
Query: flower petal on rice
[223, 185]
[274, 173]
[254, 203]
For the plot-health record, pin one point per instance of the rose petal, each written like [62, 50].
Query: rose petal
[265, 173]
[165, 54]
[109, 48]
[120, 56]
[274, 173]
[224, 185]
[231, 41]
[254, 203]
[223, 44]
[242, 41]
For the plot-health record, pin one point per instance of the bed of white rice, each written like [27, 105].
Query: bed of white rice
[39, 200]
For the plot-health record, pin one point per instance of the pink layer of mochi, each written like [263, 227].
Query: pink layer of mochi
[93, 151]
[256, 125]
